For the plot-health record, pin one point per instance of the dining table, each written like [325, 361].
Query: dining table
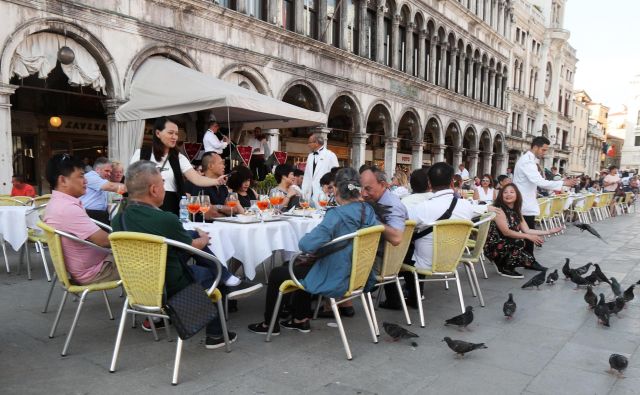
[15, 222]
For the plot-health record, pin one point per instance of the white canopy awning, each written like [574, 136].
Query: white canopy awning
[164, 87]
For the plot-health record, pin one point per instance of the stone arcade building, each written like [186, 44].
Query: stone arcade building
[412, 82]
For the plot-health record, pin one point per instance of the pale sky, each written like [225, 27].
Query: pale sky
[606, 35]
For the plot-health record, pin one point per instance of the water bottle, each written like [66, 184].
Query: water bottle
[184, 213]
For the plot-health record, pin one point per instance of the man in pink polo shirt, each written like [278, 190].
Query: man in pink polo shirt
[64, 212]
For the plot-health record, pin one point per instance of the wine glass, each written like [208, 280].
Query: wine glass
[232, 201]
[323, 200]
[304, 204]
[263, 202]
[205, 205]
[193, 207]
[276, 198]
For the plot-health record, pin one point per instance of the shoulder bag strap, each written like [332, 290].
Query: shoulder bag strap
[447, 214]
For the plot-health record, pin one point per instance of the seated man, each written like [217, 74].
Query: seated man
[443, 205]
[65, 212]
[98, 187]
[142, 214]
[213, 167]
[21, 188]
[419, 186]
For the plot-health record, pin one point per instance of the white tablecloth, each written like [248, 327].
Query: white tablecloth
[252, 244]
[14, 221]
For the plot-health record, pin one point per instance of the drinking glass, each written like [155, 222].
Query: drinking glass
[193, 207]
[276, 198]
[323, 200]
[205, 205]
[304, 204]
[232, 201]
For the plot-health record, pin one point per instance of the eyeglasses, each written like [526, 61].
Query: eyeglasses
[484, 179]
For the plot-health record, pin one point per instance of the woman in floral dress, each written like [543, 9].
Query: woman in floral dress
[509, 233]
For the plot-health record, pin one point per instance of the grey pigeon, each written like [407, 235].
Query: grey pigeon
[616, 306]
[509, 307]
[602, 311]
[592, 278]
[461, 347]
[463, 319]
[601, 276]
[618, 363]
[536, 281]
[628, 293]
[582, 270]
[578, 280]
[566, 270]
[615, 286]
[553, 277]
[590, 297]
[397, 332]
[589, 229]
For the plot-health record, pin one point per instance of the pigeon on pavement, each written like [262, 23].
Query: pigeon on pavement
[578, 280]
[536, 281]
[615, 286]
[615, 306]
[592, 278]
[618, 363]
[566, 270]
[461, 347]
[590, 297]
[628, 294]
[582, 270]
[397, 332]
[509, 307]
[553, 277]
[589, 229]
[601, 276]
[602, 311]
[463, 319]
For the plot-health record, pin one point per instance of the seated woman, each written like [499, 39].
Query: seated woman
[240, 183]
[329, 275]
[485, 192]
[400, 184]
[286, 180]
[509, 233]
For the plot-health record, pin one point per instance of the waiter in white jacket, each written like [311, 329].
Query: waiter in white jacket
[528, 179]
[212, 140]
[319, 162]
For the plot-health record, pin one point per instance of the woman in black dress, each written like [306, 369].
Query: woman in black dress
[509, 234]
[240, 182]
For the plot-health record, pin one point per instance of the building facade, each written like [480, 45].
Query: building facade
[543, 66]
[631, 149]
[586, 139]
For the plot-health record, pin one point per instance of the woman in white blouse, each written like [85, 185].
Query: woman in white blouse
[172, 164]
[484, 192]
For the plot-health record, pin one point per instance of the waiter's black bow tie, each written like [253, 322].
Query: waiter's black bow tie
[315, 153]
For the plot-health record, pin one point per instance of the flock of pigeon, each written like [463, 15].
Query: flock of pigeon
[601, 308]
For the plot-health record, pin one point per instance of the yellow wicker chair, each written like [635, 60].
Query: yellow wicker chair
[627, 202]
[556, 210]
[544, 217]
[365, 245]
[57, 256]
[584, 211]
[600, 206]
[474, 254]
[142, 261]
[39, 239]
[449, 241]
[41, 200]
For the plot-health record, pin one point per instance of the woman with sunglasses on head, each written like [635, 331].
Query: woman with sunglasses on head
[484, 193]
[172, 164]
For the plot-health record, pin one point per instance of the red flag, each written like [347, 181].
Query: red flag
[245, 152]
[611, 152]
[192, 149]
[281, 157]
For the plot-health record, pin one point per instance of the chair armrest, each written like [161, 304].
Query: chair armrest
[202, 254]
[79, 240]
[102, 225]
[488, 217]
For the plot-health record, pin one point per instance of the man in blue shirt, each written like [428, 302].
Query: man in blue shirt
[95, 198]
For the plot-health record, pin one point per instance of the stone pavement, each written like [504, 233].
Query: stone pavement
[552, 346]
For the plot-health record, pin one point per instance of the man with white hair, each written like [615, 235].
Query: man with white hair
[319, 162]
[99, 185]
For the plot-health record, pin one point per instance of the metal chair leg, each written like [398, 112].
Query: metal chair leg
[475, 279]
[318, 306]
[106, 301]
[44, 260]
[75, 322]
[153, 328]
[167, 329]
[53, 284]
[471, 284]
[343, 335]
[403, 302]
[223, 324]
[274, 317]
[28, 253]
[116, 348]
[446, 283]
[484, 271]
[380, 293]
[57, 319]
[4, 252]
[367, 313]
[459, 290]
[374, 319]
[176, 365]
[419, 299]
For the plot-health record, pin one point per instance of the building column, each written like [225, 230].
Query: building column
[323, 22]
[395, 49]
[499, 91]
[453, 69]
[380, 32]
[462, 80]
[110, 107]
[443, 65]
[241, 6]
[358, 148]
[478, 81]
[408, 49]
[485, 91]
[491, 87]
[486, 157]
[500, 16]
[6, 142]
[433, 60]
[501, 165]
[422, 53]
[390, 155]
[273, 139]
[362, 26]
[344, 44]
[457, 157]
[324, 131]
[472, 156]
[274, 15]
[437, 153]
[480, 8]
[417, 150]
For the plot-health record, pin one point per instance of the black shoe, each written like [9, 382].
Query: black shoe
[285, 313]
[146, 325]
[347, 311]
[390, 306]
[212, 343]
[304, 327]
[261, 329]
[536, 266]
[510, 273]
[245, 288]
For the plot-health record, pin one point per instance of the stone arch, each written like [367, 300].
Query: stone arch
[417, 127]
[470, 138]
[418, 20]
[377, 122]
[310, 88]
[62, 26]
[252, 74]
[354, 100]
[485, 143]
[167, 51]
[434, 130]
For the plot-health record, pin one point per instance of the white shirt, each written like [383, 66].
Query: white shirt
[485, 197]
[428, 212]
[165, 171]
[528, 179]
[464, 173]
[325, 160]
[416, 198]
[212, 143]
